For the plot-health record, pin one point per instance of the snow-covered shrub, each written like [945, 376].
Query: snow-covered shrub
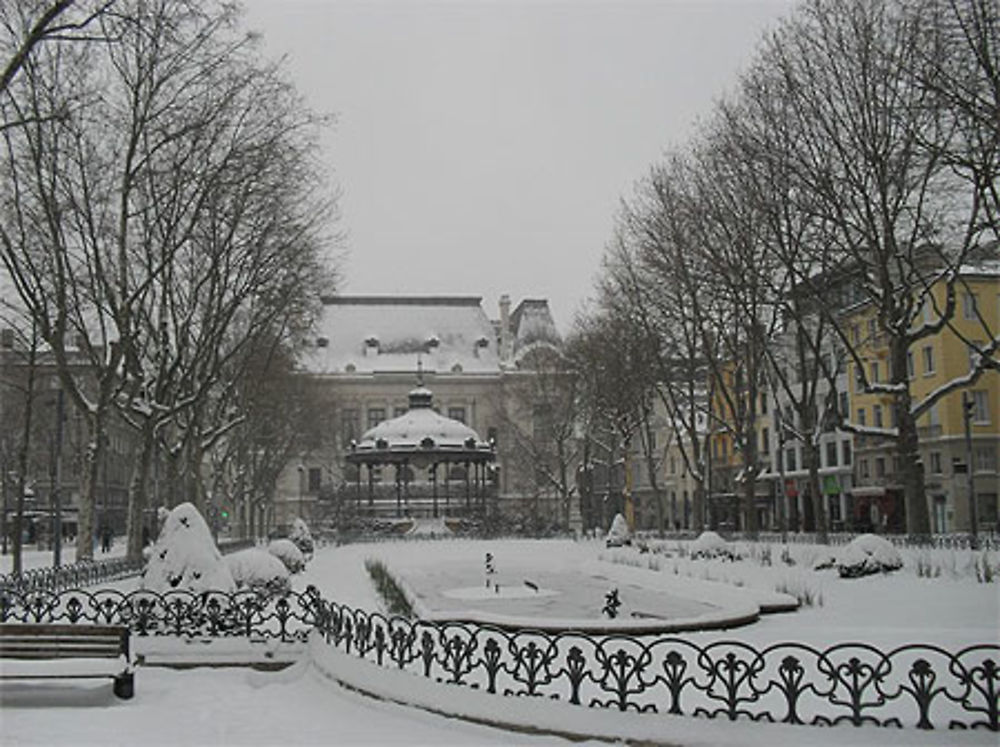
[868, 554]
[393, 596]
[799, 585]
[288, 553]
[619, 533]
[986, 573]
[926, 566]
[711, 545]
[185, 556]
[302, 537]
[260, 571]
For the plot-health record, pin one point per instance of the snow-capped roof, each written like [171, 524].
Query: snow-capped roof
[532, 323]
[420, 432]
[364, 334]
[411, 428]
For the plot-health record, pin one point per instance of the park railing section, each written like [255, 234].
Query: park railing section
[91, 572]
[951, 541]
[917, 685]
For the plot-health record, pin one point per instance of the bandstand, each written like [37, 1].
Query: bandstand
[441, 467]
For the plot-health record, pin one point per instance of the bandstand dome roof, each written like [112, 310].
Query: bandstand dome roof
[421, 433]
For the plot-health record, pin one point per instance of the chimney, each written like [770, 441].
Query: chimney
[504, 328]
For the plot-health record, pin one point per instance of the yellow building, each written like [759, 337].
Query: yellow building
[728, 468]
[932, 363]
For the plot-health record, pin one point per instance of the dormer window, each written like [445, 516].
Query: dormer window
[371, 345]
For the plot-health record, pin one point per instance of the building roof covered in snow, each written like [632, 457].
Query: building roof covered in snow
[369, 334]
[532, 325]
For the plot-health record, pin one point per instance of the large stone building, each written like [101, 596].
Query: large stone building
[365, 360]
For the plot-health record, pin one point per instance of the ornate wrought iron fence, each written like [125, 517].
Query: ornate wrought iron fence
[955, 541]
[91, 572]
[187, 614]
[919, 685]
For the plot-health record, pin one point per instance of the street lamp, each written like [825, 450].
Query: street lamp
[55, 478]
[302, 471]
[968, 408]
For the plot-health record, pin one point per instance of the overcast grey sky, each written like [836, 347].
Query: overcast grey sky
[483, 147]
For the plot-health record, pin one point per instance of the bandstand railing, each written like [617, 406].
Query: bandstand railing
[915, 685]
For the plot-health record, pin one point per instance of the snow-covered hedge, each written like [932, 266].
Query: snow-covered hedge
[288, 553]
[711, 545]
[185, 556]
[302, 537]
[866, 555]
[259, 570]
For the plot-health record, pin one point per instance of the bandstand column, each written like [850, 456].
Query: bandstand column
[371, 487]
[399, 491]
[357, 492]
[447, 480]
[467, 506]
[406, 484]
[434, 487]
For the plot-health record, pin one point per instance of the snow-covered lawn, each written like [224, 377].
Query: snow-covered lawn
[952, 609]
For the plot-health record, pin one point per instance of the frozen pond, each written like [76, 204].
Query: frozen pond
[450, 590]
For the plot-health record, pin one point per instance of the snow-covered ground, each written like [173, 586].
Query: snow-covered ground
[952, 609]
[935, 598]
[32, 557]
[231, 706]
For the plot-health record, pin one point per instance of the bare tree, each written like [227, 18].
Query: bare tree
[653, 269]
[902, 222]
[179, 175]
[537, 416]
[26, 24]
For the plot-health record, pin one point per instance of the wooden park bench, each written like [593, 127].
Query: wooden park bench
[52, 651]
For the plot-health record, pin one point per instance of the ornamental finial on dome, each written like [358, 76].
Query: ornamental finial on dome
[420, 397]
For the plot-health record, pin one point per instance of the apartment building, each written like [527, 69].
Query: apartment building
[946, 454]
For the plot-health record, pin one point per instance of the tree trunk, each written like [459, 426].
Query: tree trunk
[137, 493]
[23, 455]
[918, 518]
[810, 457]
[88, 491]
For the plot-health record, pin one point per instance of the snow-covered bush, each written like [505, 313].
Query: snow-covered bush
[868, 554]
[302, 537]
[260, 571]
[619, 533]
[185, 556]
[288, 553]
[711, 545]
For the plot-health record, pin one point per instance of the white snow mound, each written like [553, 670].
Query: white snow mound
[301, 536]
[259, 570]
[288, 553]
[868, 554]
[711, 545]
[619, 528]
[185, 556]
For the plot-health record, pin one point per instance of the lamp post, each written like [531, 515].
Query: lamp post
[968, 407]
[55, 478]
[302, 471]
